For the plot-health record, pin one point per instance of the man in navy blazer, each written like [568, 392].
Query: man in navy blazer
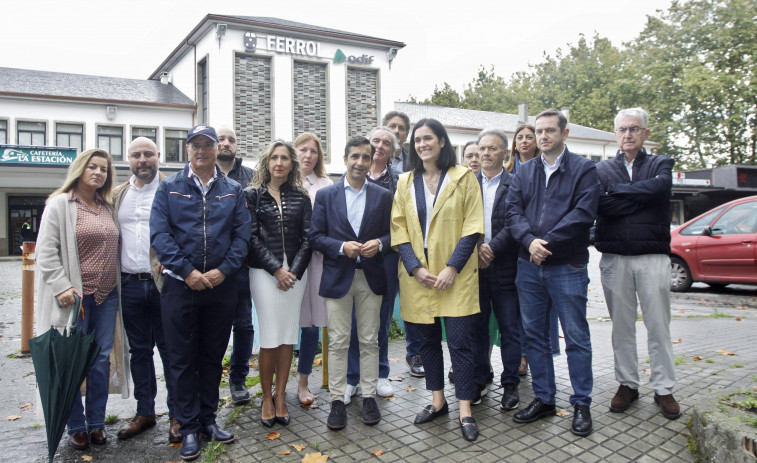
[497, 257]
[350, 226]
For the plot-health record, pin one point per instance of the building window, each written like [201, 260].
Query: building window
[362, 101]
[147, 132]
[310, 106]
[111, 139]
[202, 91]
[176, 145]
[595, 159]
[31, 133]
[3, 132]
[70, 136]
[253, 104]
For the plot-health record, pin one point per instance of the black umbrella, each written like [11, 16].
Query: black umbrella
[61, 362]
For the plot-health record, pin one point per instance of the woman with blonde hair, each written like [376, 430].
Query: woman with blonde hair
[313, 313]
[278, 257]
[77, 254]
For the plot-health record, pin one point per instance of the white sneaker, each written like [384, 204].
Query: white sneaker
[349, 392]
[384, 388]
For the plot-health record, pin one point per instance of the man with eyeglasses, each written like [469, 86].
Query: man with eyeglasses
[199, 228]
[550, 207]
[633, 234]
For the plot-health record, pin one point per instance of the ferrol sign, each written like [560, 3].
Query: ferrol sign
[278, 44]
[36, 155]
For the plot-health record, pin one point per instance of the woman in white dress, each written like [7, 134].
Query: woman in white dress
[313, 315]
[278, 258]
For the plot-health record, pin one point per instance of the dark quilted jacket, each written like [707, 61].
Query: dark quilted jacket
[266, 245]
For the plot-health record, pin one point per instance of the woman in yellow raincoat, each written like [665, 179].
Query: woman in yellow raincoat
[437, 220]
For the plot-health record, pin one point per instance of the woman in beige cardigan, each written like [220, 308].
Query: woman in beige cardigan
[77, 253]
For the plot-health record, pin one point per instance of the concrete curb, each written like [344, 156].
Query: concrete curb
[720, 431]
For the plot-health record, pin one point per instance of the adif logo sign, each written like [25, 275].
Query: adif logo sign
[340, 57]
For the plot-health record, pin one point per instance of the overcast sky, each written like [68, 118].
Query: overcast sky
[443, 43]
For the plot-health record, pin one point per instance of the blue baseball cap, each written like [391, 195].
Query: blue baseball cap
[206, 130]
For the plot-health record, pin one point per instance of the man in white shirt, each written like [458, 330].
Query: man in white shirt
[140, 287]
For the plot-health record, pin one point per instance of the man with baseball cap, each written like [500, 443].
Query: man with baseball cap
[199, 227]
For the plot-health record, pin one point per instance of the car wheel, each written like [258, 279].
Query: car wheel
[680, 275]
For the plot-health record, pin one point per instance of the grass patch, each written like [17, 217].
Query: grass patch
[252, 381]
[213, 451]
[234, 415]
[712, 315]
[680, 360]
[395, 330]
[737, 365]
[691, 442]
[111, 419]
[314, 445]
[709, 361]
[751, 420]
[14, 356]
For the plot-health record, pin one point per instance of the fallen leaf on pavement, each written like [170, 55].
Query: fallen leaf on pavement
[724, 352]
[86, 458]
[647, 371]
[396, 378]
[677, 342]
[299, 447]
[563, 412]
[411, 388]
[273, 435]
[2, 342]
[741, 307]
[175, 444]
[738, 319]
[701, 299]
[394, 360]
[390, 398]
[378, 453]
[317, 362]
[755, 388]
[312, 405]
[315, 458]
[26, 406]
[697, 358]
[682, 311]
[13, 418]
[285, 452]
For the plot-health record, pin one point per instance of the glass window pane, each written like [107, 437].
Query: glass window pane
[696, 227]
[738, 220]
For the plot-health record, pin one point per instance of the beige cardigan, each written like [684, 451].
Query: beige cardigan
[58, 269]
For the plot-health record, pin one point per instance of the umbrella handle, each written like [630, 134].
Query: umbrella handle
[75, 313]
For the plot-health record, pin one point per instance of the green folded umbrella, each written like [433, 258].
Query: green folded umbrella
[61, 363]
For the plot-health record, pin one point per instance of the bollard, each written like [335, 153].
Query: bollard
[325, 351]
[27, 295]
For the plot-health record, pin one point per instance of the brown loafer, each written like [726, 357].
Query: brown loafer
[98, 436]
[174, 436]
[79, 440]
[137, 424]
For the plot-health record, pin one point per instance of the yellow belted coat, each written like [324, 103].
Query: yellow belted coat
[458, 212]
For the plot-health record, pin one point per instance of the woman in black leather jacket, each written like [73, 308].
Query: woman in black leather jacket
[278, 257]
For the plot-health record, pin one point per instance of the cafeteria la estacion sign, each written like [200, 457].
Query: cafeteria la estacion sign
[36, 155]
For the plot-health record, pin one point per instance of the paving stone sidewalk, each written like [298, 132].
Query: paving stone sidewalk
[704, 321]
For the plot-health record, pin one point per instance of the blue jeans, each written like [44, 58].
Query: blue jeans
[385, 321]
[102, 320]
[554, 334]
[243, 330]
[308, 346]
[538, 286]
[140, 306]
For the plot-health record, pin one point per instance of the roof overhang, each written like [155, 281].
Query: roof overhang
[94, 100]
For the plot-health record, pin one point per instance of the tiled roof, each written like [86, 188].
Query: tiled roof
[86, 87]
[480, 120]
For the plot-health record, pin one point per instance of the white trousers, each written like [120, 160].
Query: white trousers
[624, 278]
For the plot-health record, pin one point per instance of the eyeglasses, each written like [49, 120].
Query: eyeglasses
[634, 130]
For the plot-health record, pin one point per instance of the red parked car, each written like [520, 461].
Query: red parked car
[718, 247]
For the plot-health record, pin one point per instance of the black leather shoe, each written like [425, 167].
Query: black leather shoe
[190, 447]
[371, 413]
[239, 393]
[581, 421]
[430, 413]
[510, 397]
[536, 410]
[212, 431]
[98, 436]
[415, 364]
[338, 417]
[469, 428]
[268, 422]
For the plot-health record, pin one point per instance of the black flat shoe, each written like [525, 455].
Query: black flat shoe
[430, 413]
[469, 428]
